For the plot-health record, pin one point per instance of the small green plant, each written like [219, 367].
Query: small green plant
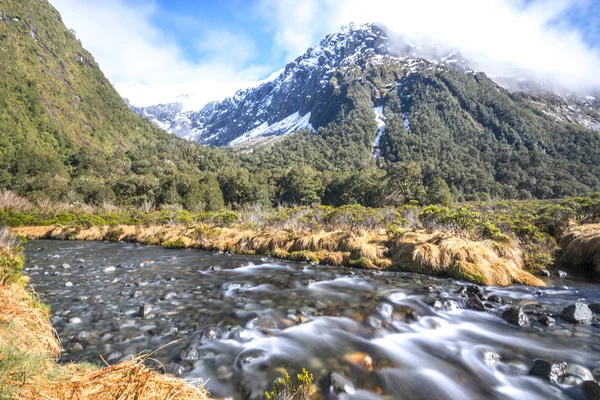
[174, 244]
[285, 389]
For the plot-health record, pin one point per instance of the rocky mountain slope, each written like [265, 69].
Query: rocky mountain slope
[299, 98]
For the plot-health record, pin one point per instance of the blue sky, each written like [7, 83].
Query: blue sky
[155, 50]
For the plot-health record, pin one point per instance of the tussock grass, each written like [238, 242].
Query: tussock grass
[581, 247]
[484, 262]
[24, 323]
[127, 380]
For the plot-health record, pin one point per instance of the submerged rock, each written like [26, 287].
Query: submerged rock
[591, 390]
[83, 337]
[549, 370]
[595, 308]
[577, 313]
[517, 316]
[340, 384]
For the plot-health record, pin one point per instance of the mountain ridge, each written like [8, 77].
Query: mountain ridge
[311, 73]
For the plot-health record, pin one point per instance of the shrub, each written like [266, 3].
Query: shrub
[285, 389]
[174, 244]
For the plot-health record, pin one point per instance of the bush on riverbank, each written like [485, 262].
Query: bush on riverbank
[29, 349]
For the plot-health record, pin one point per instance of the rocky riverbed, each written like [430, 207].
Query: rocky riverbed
[239, 322]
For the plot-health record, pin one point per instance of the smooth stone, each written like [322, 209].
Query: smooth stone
[73, 347]
[136, 294]
[109, 269]
[549, 370]
[145, 312]
[544, 272]
[591, 389]
[69, 284]
[75, 320]
[114, 356]
[516, 316]
[341, 384]
[577, 313]
[82, 337]
[595, 308]
[175, 369]
[168, 296]
[66, 266]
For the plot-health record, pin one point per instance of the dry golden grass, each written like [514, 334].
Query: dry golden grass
[581, 247]
[484, 262]
[126, 380]
[24, 323]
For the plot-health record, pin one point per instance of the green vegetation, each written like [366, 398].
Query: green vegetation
[286, 389]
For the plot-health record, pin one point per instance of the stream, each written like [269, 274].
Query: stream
[238, 322]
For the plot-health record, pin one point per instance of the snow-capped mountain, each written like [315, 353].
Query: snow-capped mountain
[305, 95]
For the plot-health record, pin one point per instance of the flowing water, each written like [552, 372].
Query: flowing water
[238, 322]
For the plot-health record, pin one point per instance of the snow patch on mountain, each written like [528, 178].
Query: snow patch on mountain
[286, 126]
[380, 119]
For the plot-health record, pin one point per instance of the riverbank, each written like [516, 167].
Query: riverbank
[490, 243]
[29, 349]
[484, 262]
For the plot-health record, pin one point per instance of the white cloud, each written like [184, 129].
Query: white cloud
[501, 35]
[147, 66]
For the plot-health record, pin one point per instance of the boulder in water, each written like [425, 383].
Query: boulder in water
[340, 384]
[591, 390]
[577, 313]
[516, 316]
[549, 370]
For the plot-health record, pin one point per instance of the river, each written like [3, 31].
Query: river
[238, 322]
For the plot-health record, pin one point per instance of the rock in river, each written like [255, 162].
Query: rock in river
[341, 384]
[591, 390]
[577, 313]
[474, 303]
[516, 316]
[550, 370]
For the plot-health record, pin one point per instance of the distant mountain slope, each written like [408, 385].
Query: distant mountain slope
[65, 133]
[307, 86]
